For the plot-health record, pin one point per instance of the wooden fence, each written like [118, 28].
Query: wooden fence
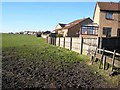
[111, 43]
[112, 58]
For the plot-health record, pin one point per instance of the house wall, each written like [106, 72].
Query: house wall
[87, 21]
[60, 31]
[73, 32]
[58, 27]
[65, 32]
[108, 23]
[96, 15]
[119, 20]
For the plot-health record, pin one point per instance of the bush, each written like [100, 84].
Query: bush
[59, 35]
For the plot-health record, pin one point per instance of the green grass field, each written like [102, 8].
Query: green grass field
[30, 45]
[15, 40]
[31, 48]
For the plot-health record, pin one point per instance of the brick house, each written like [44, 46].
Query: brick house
[107, 16]
[72, 29]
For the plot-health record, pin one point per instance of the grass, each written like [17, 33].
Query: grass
[34, 48]
[14, 40]
[31, 47]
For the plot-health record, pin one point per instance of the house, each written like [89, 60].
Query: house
[107, 16]
[73, 29]
[59, 27]
[28, 32]
[45, 34]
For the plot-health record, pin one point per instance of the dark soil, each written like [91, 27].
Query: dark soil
[22, 72]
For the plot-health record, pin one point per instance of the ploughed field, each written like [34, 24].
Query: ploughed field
[29, 62]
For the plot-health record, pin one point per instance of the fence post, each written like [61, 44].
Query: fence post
[100, 43]
[113, 60]
[59, 42]
[101, 58]
[48, 40]
[64, 43]
[104, 62]
[55, 41]
[70, 43]
[93, 58]
[81, 45]
[51, 40]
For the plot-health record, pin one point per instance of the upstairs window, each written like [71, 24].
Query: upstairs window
[109, 15]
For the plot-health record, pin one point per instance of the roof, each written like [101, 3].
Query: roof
[46, 32]
[69, 25]
[62, 25]
[109, 6]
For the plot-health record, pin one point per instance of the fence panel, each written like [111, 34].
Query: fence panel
[57, 41]
[89, 45]
[49, 40]
[61, 42]
[76, 44]
[67, 42]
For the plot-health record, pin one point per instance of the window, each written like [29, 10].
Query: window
[84, 30]
[109, 15]
[107, 31]
[89, 30]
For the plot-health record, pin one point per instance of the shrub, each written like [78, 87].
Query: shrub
[59, 35]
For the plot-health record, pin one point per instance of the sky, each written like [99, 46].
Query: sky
[42, 16]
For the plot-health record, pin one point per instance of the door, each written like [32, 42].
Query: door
[118, 33]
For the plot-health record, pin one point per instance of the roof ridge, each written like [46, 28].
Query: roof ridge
[60, 23]
[75, 22]
[78, 20]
